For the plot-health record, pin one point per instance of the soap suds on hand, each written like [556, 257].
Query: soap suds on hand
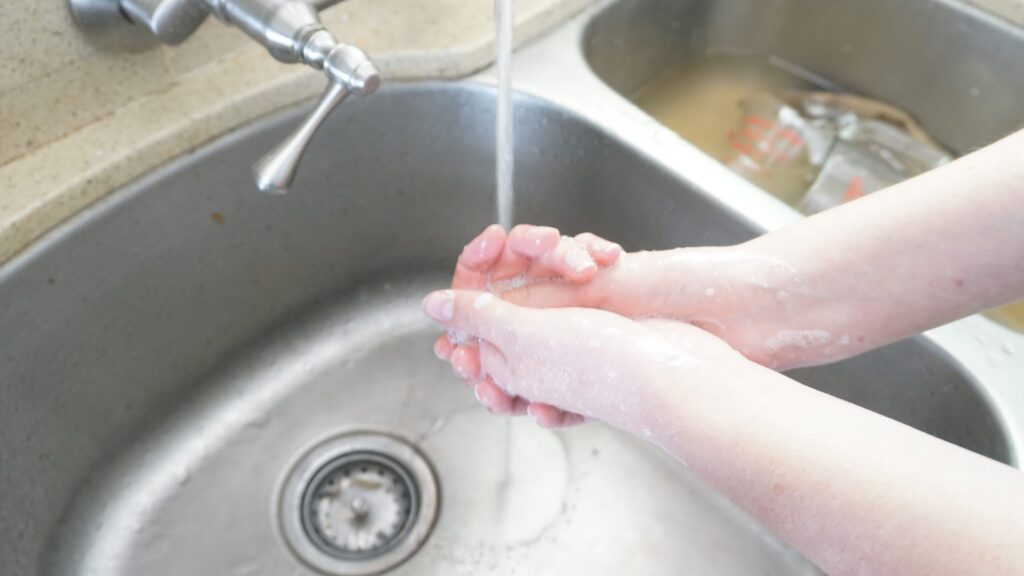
[482, 300]
[797, 339]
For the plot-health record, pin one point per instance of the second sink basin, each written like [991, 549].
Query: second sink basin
[956, 69]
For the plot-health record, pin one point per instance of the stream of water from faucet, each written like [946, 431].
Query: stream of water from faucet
[504, 22]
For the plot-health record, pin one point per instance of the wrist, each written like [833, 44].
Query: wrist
[802, 317]
[765, 306]
[684, 404]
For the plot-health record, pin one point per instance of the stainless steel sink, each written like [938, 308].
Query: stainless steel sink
[165, 370]
[172, 356]
[958, 70]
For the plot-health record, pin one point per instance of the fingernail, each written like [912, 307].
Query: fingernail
[481, 249]
[458, 361]
[530, 413]
[540, 236]
[480, 399]
[440, 305]
[440, 352]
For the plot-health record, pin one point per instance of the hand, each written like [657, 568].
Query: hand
[759, 304]
[528, 254]
[580, 361]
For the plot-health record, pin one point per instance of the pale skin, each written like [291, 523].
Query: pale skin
[854, 492]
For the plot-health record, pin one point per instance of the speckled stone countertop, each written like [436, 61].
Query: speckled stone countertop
[77, 122]
[73, 132]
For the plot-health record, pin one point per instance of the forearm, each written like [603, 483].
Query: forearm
[922, 253]
[853, 491]
[919, 254]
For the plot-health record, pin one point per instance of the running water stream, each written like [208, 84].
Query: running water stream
[504, 22]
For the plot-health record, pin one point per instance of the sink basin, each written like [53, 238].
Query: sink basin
[173, 354]
[958, 70]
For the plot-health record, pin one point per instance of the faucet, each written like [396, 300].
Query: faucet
[289, 29]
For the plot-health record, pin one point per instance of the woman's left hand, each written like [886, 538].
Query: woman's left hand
[562, 364]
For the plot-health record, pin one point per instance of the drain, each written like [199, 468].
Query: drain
[358, 504]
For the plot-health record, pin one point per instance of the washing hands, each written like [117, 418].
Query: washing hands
[683, 348]
[738, 295]
[594, 285]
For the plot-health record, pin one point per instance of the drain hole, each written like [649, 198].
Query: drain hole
[359, 504]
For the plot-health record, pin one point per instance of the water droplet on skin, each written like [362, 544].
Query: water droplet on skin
[797, 339]
[482, 300]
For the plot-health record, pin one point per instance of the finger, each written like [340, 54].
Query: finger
[570, 260]
[524, 244]
[547, 416]
[478, 257]
[532, 241]
[556, 295]
[492, 363]
[494, 398]
[575, 259]
[564, 257]
[604, 252]
[520, 405]
[542, 253]
[572, 419]
[443, 347]
[479, 314]
[466, 362]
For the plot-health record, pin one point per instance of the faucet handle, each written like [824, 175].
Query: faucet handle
[349, 70]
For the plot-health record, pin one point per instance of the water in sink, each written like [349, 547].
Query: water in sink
[700, 98]
[1011, 315]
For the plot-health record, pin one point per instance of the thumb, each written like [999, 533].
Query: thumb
[480, 314]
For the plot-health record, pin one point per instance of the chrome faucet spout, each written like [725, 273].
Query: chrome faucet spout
[350, 72]
[289, 29]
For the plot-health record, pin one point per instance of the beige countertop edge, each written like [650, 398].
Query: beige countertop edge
[47, 186]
